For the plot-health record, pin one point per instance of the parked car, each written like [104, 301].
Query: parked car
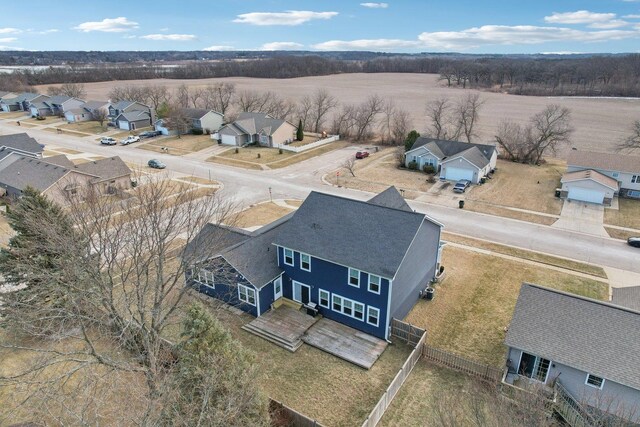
[362, 154]
[461, 186]
[156, 164]
[150, 134]
[634, 241]
[130, 140]
[108, 141]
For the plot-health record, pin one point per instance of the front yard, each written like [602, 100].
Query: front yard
[90, 127]
[474, 304]
[627, 215]
[178, 146]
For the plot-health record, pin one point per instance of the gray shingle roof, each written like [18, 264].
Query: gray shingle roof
[627, 297]
[195, 113]
[21, 141]
[593, 336]
[391, 198]
[604, 161]
[473, 155]
[254, 123]
[58, 99]
[356, 234]
[443, 148]
[109, 168]
[59, 160]
[28, 171]
[133, 116]
[121, 105]
[92, 105]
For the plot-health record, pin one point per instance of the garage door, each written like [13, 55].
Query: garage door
[586, 195]
[455, 174]
[228, 140]
[122, 124]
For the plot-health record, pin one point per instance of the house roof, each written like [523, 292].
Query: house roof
[593, 336]
[20, 141]
[92, 105]
[591, 175]
[124, 104]
[28, 171]
[39, 105]
[77, 111]
[473, 155]
[109, 168]
[58, 99]
[604, 161]
[26, 96]
[391, 198]
[133, 116]
[197, 113]
[362, 235]
[627, 297]
[255, 123]
[444, 149]
[59, 160]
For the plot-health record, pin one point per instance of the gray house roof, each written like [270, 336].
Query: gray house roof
[391, 198]
[444, 149]
[28, 171]
[593, 336]
[627, 297]
[59, 160]
[604, 161]
[93, 105]
[197, 113]
[254, 123]
[22, 142]
[58, 99]
[362, 235]
[473, 155]
[109, 168]
[133, 116]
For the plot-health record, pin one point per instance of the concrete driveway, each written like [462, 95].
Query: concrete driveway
[582, 217]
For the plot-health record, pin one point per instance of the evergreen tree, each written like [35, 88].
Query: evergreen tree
[300, 131]
[410, 140]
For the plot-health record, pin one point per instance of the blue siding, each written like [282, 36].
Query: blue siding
[266, 298]
[334, 279]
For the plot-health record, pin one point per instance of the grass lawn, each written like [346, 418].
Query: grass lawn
[260, 214]
[60, 130]
[60, 150]
[628, 214]
[179, 146]
[87, 127]
[294, 202]
[125, 133]
[13, 115]
[198, 180]
[620, 234]
[475, 302]
[308, 139]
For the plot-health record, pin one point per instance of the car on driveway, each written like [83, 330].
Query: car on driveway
[130, 140]
[108, 141]
[362, 154]
[150, 134]
[461, 186]
[634, 241]
[156, 164]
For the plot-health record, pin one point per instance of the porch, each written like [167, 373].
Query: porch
[284, 326]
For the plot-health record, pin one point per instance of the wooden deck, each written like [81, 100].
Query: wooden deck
[283, 326]
[346, 343]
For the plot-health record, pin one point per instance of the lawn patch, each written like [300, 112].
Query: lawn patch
[627, 215]
[260, 214]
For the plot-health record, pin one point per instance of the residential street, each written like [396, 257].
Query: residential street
[296, 181]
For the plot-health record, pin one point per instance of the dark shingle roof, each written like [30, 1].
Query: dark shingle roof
[133, 116]
[92, 105]
[356, 234]
[254, 123]
[109, 168]
[58, 99]
[604, 161]
[20, 141]
[443, 148]
[593, 336]
[627, 297]
[28, 171]
[391, 198]
[195, 113]
[59, 160]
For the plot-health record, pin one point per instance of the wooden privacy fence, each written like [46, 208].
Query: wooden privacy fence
[282, 415]
[406, 332]
[462, 364]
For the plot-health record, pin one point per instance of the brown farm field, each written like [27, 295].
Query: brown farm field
[599, 122]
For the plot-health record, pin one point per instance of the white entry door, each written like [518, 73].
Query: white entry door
[277, 289]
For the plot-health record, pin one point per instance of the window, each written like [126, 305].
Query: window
[347, 307]
[323, 298]
[203, 277]
[373, 316]
[594, 381]
[635, 179]
[246, 294]
[354, 277]
[305, 262]
[288, 256]
[358, 311]
[615, 174]
[337, 303]
[344, 305]
[374, 284]
[540, 369]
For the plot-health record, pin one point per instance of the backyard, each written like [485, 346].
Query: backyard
[473, 306]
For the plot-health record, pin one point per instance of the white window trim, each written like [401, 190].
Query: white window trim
[369, 308]
[284, 256]
[379, 284]
[293, 290]
[196, 276]
[247, 290]
[353, 303]
[586, 381]
[320, 291]
[349, 278]
[301, 267]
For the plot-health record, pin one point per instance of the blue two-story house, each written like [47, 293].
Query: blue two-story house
[360, 263]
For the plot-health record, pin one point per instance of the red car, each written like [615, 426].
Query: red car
[362, 154]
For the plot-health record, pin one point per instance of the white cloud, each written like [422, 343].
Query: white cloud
[375, 5]
[51, 31]
[170, 37]
[218, 47]
[8, 40]
[108, 25]
[290, 17]
[367, 44]
[578, 17]
[631, 16]
[10, 31]
[614, 23]
[282, 46]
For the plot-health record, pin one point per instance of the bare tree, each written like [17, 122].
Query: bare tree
[304, 112]
[322, 104]
[73, 90]
[632, 142]
[344, 122]
[99, 115]
[386, 122]
[182, 96]
[442, 124]
[467, 109]
[129, 93]
[195, 96]
[350, 164]
[177, 120]
[365, 116]
[219, 96]
[250, 100]
[157, 94]
[400, 125]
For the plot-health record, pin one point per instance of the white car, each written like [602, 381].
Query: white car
[108, 141]
[130, 140]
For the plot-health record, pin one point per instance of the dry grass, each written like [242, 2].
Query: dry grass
[522, 186]
[488, 208]
[475, 303]
[48, 120]
[179, 146]
[528, 255]
[59, 130]
[260, 214]
[6, 232]
[294, 202]
[251, 153]
[198, 180]
[65, 151]
[621, 234]
[91, 127]
[628, 214]
[308, 139]
[13, 115]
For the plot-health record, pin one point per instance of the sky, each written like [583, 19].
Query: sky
[468, 26]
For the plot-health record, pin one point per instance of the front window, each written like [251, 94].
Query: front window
[347, 308]
[594, 381]
[374, 284]
[358, 310]
[337, 303]
[323, 298]
[288, 256]
[373, 316]
[246, 294]
[354, 277]
[305, 262]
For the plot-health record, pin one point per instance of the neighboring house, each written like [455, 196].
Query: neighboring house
[87, 111]
[21, 143]
[120, 107]
[359, 263]
[60, 104]
[208, 121]
[133, 120]
[76, 115]
[589, 186]
[454, 160]
[622, 168]
[591, 347]
[21, 102]
[258, 128]
[111, 174]
[39, 109]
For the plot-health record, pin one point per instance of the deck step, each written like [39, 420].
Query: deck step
[291, 346]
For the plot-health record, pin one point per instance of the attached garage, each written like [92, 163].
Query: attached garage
[456, 174]
[229, 139]
[589, 186]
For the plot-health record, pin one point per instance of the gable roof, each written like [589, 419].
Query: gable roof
[589, 174]
[58, 99]
[59, 160]
[197, 113]
[255, 123]
[28, 171]
[124, 104]
[133, 116]
[473, 155]
[22, 142]
[92, 105]
[593, 336]
[104, 169]
[362, 235]
[390, 198]
[26, 96]
[443, 148]
[604, 161]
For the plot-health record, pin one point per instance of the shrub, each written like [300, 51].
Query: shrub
[413, 165]
[40, 118]
[430, 169]
[431, 179]
[279, 150]
[196, 131]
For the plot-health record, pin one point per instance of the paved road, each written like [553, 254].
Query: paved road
[296, 181]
